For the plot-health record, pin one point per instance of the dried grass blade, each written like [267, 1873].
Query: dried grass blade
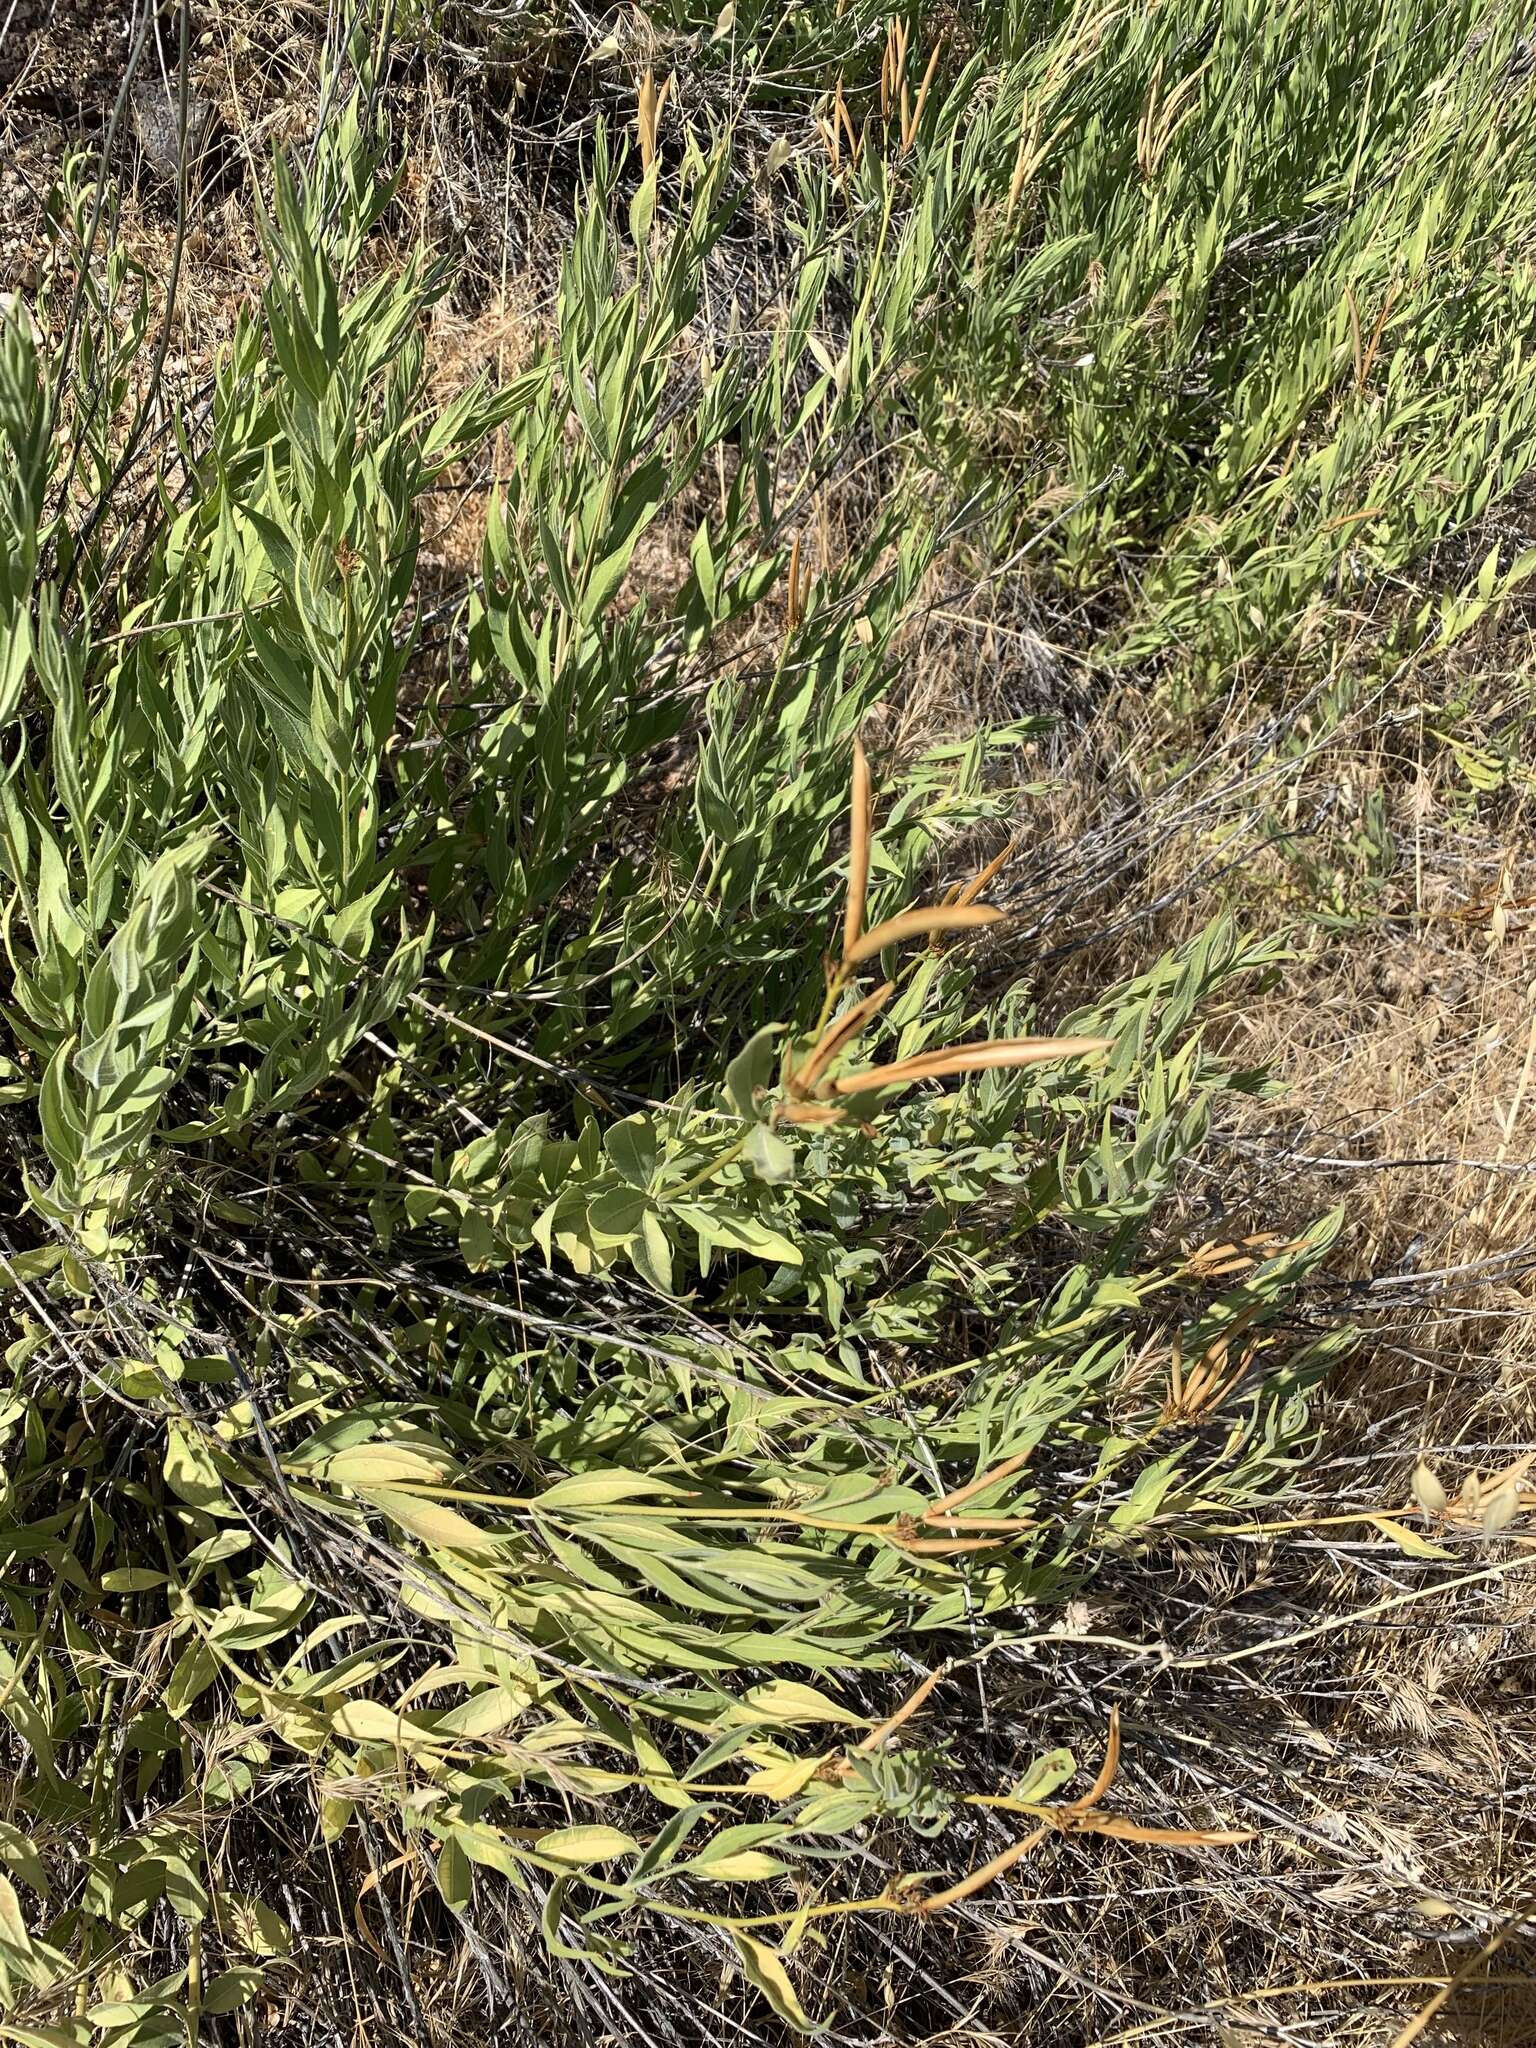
[914, 924]
[940, 1546]
[922, 95]
[1122, 1830]
[645, 123]
[1108, 1770]
[970, 1059]
[860, 826]
[977, 883]
[904, 1712]
[838, 1034]
[957, 1498]
[792, 612]
[983, 1875]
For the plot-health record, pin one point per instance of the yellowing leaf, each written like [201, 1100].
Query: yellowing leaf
[487, 1712]
[1047, 1774]
[765, 1969]
[13, 1928]
[787, 1701]
[768, 1155]
[377, 1464]
[231, 1989]
[19, 1854]
[369, 1721]
[740, 1866]
[453, 1874]
[131, 1579]
[784, 1780]
[1408, 1540]
[592, 1781]
[189, 1470]
[437, 1525]
[601, 1489]
[794, 1933]
[581, 1846]
[193, 1672]
[334, 1816]
[1500, 1508]
[257, 1927]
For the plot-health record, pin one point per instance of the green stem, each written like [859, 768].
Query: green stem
[194, 1932]
[706, 1172]
[100, 1778]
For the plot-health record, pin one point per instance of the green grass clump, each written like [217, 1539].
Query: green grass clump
[1254, 316]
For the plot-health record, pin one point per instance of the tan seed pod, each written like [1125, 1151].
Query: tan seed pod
[1500, 1509]
[1427, 1490]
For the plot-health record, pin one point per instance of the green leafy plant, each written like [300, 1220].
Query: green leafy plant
[484, 1358]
